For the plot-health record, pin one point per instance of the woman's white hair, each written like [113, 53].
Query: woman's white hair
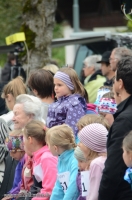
[31, 105]
[91, 61]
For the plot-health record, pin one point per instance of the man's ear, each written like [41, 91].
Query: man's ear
[121, 85]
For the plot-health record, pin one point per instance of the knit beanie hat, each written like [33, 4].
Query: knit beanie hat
[94, 136]
[79, 154]
[107, 105]
[100, 94]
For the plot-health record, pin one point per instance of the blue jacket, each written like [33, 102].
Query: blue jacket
[66, 163]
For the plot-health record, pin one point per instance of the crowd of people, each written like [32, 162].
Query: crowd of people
[67, 140]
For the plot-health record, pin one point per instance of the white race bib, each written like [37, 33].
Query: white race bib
[64, 180]
[85, 183]
[38, 173]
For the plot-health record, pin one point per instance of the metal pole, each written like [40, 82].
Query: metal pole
[76, 16]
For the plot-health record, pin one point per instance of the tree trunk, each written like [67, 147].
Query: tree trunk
[38, 23]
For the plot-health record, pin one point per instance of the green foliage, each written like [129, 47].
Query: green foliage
[10, 21]
[129, 23]
[58, 54]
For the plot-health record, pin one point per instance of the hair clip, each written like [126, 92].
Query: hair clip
[45, 128]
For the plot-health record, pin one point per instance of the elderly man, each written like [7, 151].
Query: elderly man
[117, 55]
[94, 79]
[113, 186]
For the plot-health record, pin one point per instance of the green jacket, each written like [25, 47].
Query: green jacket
[92, 87]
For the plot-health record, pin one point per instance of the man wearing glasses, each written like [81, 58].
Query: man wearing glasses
[116, 56]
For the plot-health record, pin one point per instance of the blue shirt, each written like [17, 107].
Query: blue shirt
[66, 163]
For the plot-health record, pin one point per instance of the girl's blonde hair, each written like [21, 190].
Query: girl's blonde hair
[61, 136]
[91, 155]
[36, 129]
[127, 142]
[14, 87]
[78, 87]
[92, 118]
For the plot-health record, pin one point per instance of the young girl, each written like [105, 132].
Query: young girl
[82, 165]
[71, 105]
[93, 144]
[92, 118]
[15, 145]
[44, 163]
[11, 90]
[101, 91]
[107, 107]
[127, 157]
[61, 142]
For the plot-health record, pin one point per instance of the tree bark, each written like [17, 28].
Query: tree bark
[38, 23]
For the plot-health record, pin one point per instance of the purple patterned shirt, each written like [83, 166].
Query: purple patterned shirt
[67, 110]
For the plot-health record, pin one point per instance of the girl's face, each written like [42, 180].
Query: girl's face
[27, 145]
[53, 150]
[82, 165]
[84, 149]
[109, 117]
[17, 155]
[61, 88]
[10, 101]
[127, 157]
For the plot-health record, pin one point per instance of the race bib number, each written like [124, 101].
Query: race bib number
[64, 180]
[85, 183]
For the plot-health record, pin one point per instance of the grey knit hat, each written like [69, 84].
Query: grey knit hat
[79, 154]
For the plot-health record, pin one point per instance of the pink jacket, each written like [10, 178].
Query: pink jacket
[45, 170]
[95, 174]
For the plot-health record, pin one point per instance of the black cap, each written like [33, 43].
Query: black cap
[105, 57]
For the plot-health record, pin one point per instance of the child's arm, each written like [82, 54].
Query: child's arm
[94, 181]
[74, 113]
[57, 192]
[72, 190]
[49, 167]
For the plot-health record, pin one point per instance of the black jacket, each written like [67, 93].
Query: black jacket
[113, 186]
[108, 82]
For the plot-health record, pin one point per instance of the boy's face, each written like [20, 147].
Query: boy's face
[127, 157]
[17, 155]
[82, 165]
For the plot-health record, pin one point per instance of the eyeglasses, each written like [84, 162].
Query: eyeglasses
[112, 59]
